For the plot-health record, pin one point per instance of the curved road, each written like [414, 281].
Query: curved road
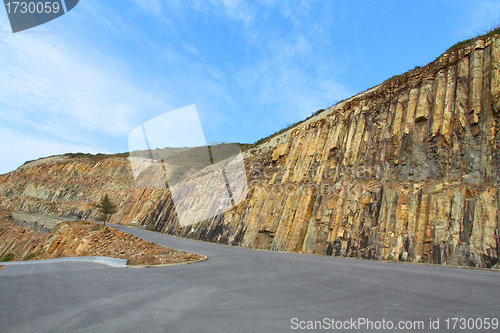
[240, 290]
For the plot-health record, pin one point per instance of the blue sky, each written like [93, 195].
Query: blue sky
[84, 81]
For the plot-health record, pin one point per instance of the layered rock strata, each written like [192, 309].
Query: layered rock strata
[84, 239]
[21, 242]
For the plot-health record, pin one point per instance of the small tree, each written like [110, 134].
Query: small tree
[106, 207]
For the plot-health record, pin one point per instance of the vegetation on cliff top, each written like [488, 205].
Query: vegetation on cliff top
[96, 157]
[486, 34]
[269, 137]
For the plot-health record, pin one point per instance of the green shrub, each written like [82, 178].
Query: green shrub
[96, 157]
[31, 256]
[149, 227]
[106, 231]
[8, 257]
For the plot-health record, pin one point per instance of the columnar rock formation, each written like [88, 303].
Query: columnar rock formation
[407, 171]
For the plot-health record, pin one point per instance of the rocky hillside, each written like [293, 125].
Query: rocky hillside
[19, 242]
[406, 171]
[83, 239]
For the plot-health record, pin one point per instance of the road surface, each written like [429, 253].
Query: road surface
[242, 290]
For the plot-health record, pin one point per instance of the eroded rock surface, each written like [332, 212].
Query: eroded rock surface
[407, 171]
[84, 239]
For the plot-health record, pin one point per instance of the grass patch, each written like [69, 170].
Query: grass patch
[267, 138]
[486, 34]
[31, 256]
[8, 257]
[106, 231]
[149, 227]
[96, 157]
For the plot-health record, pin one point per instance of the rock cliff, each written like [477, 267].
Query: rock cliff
[406, 171]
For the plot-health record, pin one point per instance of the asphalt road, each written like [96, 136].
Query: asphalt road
[241, 290]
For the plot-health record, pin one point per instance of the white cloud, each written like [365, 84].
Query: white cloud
[17, 148]
[191, 49]
[66, 87]
[292, 76]
[289, 68]
[46, 84]
[55, 85]
[152, 6]
[235, 10]
[484, 15]
[480, 16]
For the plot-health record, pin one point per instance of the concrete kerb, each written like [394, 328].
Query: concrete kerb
[114, 262]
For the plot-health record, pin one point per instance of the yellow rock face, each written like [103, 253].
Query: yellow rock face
[408, 171]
